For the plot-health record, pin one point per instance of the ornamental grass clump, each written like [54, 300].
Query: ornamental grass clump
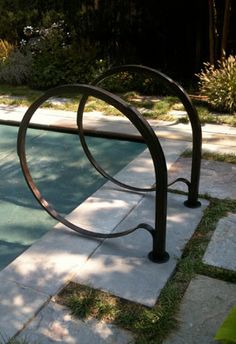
[218, 84]
[5, 49]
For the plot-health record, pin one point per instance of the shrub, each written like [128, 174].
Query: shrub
[16, 68]
[56, 59]
[219, 84]
[128, 81]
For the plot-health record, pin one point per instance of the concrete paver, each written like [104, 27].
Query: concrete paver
[18, 304]
[53, 324]
[204, 307]
[221, 251]
[218, 179]
[219, 148]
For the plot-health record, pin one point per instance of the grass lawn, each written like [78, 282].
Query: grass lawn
[152, 107]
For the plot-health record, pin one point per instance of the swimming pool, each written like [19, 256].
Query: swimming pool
[63, 174]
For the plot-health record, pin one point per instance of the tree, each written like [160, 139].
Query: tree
[219, 21]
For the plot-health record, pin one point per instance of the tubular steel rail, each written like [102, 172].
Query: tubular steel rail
[179, 92]
[158, 253]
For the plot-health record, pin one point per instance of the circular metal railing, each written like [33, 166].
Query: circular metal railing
[158, 233]
[158, 253]
[179, 92]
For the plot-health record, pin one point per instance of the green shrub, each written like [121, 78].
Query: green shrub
[219, 84]
[133, 82]
[16, 68]
[62, 66]
[57, 60]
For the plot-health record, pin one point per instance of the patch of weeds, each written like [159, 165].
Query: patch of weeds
[20, 341]
[153, 107]
[144, 322]
[183, 120]
[94, 104]
[208, 117]
[16, 102]
[229, 158]
[86, 302]
[178, 106]
[20, 91]
[18, 95]
[163, 106]
[127, 96]
[73, 106]
[159, 116]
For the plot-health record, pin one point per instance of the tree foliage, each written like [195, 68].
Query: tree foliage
[170, 36]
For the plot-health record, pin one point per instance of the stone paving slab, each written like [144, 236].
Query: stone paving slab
[47, 264]
[140, 172]
[219, 149]
[221, 251]
[54, 324]
[218, 179]
[18, 304]
[121, 267]
[14, 112]
[204, 307]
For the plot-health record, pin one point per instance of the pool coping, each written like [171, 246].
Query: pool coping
[96, 122]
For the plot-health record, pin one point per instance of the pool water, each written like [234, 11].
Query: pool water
[63, 175]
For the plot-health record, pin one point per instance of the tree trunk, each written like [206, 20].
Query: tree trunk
[211, 32]
[225, 29]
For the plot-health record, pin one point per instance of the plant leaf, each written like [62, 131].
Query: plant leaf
[227, 331]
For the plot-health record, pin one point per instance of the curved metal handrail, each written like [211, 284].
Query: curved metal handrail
[158, 253]
[193, 184]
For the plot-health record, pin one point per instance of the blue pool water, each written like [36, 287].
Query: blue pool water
[63, 174]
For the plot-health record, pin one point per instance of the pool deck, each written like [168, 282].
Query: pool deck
[119, 266]
[213, 135]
